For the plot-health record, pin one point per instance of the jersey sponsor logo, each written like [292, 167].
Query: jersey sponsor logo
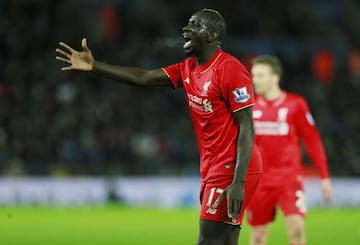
[257, 114]
[275, 128]
[310, 119]
[241, 95]
[271, 128]
[207, 106]
[200, 104]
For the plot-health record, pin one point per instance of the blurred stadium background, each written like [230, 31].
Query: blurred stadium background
[84, 160]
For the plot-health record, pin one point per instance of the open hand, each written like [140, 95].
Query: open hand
[326, 190]
[78, 60]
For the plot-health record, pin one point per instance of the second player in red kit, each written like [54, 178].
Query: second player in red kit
[281, 121]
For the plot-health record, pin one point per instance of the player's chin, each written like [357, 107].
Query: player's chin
[189, 51]
[258, 91]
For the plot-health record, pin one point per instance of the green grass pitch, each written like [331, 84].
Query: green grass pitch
[114, 224]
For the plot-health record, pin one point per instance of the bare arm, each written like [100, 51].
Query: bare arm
[235, 191]
[84, 61]
[244, 144]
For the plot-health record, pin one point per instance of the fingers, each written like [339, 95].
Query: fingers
[234, 208]
[60, 51]
[67, 68]
[327, 196]
[63, 59]
[71, 50]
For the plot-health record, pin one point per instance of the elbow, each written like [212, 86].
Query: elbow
[146, 80]
[143, 82]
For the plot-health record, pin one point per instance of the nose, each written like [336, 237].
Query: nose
[185, 28]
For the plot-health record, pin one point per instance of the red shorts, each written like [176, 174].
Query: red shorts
[289, 197]
[210, 192]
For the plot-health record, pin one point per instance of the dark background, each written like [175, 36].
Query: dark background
[57, 123]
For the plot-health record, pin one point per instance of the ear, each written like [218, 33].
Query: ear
[212, 36]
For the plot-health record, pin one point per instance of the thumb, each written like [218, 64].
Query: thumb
[84, 45]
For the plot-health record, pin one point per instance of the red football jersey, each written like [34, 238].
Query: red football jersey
[280, 125]
[215, 91]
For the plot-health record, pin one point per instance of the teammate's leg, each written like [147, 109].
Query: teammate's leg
[259, 234]
[216, 233]
[293, 205]
[260, 213]
[296, 229]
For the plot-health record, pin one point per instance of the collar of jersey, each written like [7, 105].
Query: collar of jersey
[208, 65]
[274, 102]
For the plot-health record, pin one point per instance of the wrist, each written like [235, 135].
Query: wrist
[95, 66]
[237, 181]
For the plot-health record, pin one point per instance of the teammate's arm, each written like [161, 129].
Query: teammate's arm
[84, 61]
[314, 146]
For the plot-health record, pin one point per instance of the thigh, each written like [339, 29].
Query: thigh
[262, 208]
[217, 233]
[211, 191]
[292, 198]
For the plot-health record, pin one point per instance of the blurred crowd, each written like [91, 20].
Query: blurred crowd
[73, 123]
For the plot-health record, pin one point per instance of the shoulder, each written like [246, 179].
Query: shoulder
[229, 65]
[297, 98]
[227, 59]
[298, 101]
[189, 61]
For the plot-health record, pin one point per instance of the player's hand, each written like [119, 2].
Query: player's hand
[78, 60]
[326, 189]
[235, 198]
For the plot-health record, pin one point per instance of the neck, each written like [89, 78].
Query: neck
[272, 94]
[207, 54]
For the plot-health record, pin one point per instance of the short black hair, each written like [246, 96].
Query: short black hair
[270, 60]
[216, 21]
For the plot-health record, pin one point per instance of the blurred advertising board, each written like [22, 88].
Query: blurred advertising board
[165, 192]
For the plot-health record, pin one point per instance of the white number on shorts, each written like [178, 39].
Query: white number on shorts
[300, 202]
[211, 199]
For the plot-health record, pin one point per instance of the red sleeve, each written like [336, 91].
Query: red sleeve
[311, 138]
[174, 74]
[237, 87]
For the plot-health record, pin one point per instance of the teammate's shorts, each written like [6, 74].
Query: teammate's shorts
[289, 198]
[211, 191]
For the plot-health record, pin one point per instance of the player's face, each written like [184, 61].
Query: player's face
[263, 78]
[195, 34]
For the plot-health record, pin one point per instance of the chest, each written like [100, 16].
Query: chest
[275, 114]
[202, 91]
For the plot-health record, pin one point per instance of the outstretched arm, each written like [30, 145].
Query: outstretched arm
[84, 61]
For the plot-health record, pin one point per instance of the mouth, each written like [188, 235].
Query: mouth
[187, 39]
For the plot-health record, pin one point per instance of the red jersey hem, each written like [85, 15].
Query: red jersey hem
[243, 107]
